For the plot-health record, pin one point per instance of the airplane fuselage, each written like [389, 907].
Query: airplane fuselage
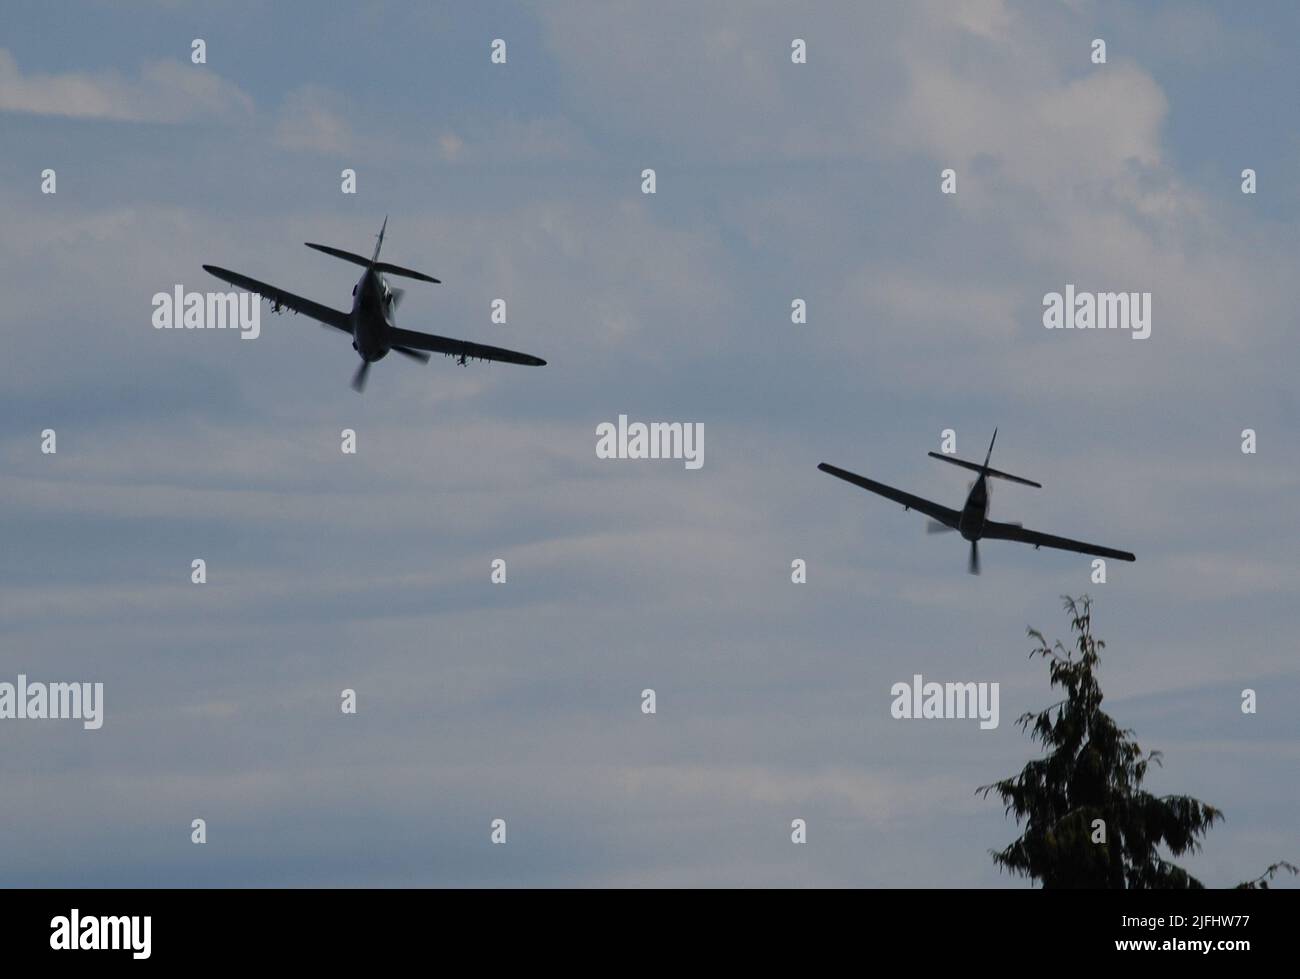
[976, 511]
[372, 308]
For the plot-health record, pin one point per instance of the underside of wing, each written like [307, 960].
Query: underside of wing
[1006, 531]
[278, 297]
[462, 349]
[941, 513]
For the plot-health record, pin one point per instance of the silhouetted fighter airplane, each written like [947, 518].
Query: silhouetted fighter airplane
[371, 322]
[972, 520]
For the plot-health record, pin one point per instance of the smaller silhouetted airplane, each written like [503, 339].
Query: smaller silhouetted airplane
[972, 520]
[371, 322]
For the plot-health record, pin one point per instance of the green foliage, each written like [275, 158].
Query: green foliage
[1093, 770]
[1260, 883]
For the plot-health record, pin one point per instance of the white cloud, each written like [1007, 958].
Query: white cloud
[310, 119]
[514, 140]
[164, 91]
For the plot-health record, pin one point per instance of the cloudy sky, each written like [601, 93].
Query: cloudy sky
[522, 181]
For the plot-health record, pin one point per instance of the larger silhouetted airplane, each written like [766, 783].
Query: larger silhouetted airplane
[371, 322]
[973, 519]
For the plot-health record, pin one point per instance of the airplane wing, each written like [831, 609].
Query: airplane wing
[459, 348]
[1006, 531]
[940, 513]
[330, 317]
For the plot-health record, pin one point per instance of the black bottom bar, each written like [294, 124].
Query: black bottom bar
[936, 928]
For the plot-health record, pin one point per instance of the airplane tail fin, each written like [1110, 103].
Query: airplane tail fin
[373, 262]
[976, 467]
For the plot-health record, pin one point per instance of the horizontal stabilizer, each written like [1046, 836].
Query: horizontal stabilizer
[384, 267]
[339, 253]
[976, 467]
[388, 269]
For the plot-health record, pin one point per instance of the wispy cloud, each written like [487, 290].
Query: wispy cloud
[162, 91]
